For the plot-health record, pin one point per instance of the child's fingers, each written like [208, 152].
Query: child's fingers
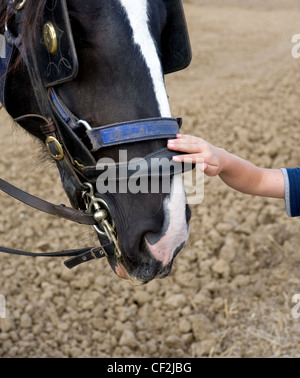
[185, 138]
[187, 143]
[181, 136]
[209, 170]
[179, 158]
[185, 147]
[191, 158]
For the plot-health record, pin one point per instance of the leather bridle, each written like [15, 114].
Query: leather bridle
[75, 160]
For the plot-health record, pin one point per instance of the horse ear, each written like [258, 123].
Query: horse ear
[175, 43]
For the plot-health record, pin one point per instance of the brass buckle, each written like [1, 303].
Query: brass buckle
[58, 146]
[18, 5]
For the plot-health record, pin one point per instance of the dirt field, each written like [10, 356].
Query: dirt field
[230, 293]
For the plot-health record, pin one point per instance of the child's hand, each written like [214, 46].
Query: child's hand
[236, 172]
[199, 151]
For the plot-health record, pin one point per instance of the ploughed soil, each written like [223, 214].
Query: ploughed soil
[231, 289]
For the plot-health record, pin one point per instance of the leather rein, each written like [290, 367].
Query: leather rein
[62, 132]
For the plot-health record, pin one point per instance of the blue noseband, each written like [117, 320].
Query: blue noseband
[135, 131]
[118, 133]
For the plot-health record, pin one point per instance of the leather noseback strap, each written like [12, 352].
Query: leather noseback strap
[78, 256]
[61, 211]
[156, 164]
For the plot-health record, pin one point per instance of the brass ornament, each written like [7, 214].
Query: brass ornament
[18, 5]
[50, 37]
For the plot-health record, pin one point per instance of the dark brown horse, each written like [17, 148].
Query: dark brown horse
[92, 74]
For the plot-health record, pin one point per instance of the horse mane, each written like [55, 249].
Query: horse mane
[33, 13]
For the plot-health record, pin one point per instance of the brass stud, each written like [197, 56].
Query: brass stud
[19, 5]
[50, 37]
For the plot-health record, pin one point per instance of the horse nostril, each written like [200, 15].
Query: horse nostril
[150, 271]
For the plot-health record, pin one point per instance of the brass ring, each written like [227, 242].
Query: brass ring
[58, 146]
[19, 5]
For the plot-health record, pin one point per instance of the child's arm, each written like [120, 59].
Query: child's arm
[247, 178]
[238, 173]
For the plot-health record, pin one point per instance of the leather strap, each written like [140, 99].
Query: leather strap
[92, 253]
[64, 253]
[61, 211]
[156, 164]
[78, 256]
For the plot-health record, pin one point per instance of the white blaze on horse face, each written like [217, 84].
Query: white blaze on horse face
[175, 231]
[137, 13]
[175, 228]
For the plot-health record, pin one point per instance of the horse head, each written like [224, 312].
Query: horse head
[100, 65]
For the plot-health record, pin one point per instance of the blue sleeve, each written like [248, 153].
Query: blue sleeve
[292, 191]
